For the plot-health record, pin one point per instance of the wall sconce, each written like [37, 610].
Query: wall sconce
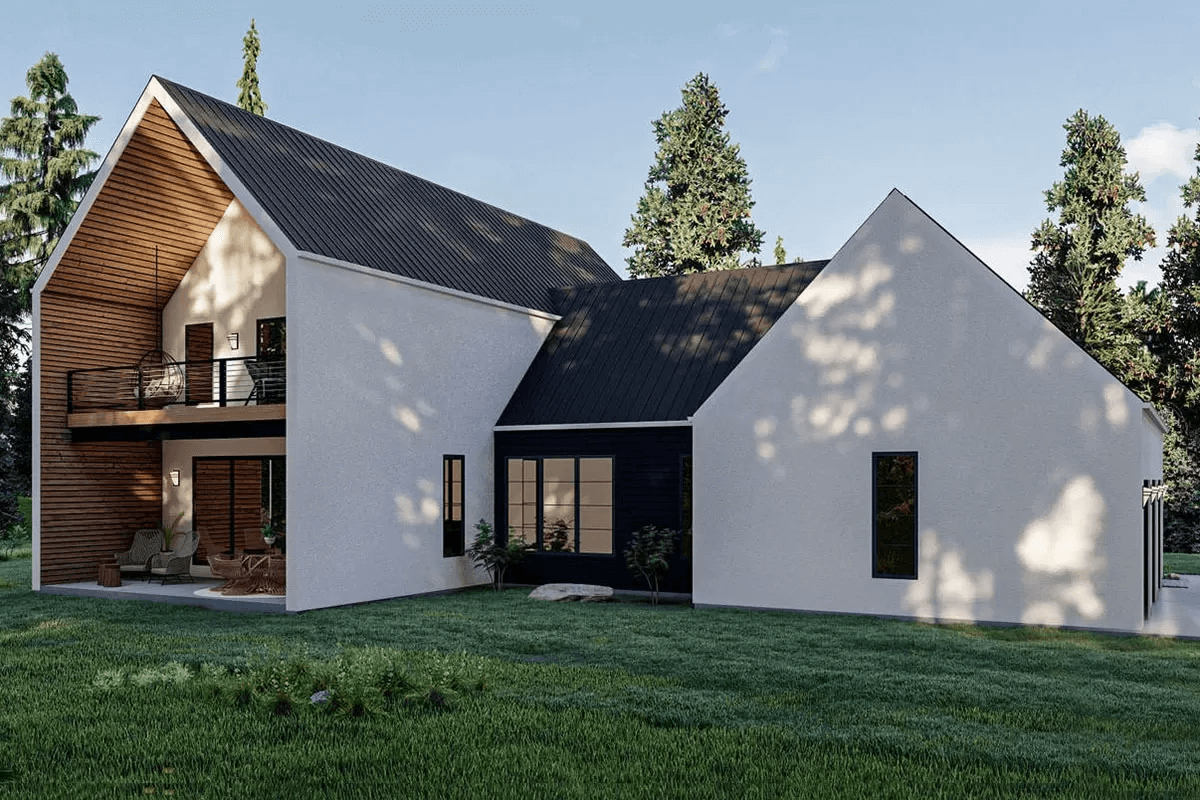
[233, 340]
[174, 477]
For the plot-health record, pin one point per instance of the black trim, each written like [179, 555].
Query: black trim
[244, 429]
[876, 458]
[454, 538]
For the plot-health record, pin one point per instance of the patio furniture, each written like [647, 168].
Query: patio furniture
[109, 574]
[136, 560]
[175, 564]
[269, 380]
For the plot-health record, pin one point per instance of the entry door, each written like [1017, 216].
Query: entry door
[198, 365]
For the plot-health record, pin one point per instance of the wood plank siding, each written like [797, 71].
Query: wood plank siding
[98, 309]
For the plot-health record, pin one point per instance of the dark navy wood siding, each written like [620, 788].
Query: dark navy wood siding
[646, 491]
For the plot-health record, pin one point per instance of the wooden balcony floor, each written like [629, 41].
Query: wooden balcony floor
[177, 415]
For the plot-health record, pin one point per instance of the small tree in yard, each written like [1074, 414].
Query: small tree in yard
[495, 557]
[648, 554]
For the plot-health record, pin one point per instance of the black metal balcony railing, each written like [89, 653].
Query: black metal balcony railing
[218, 382]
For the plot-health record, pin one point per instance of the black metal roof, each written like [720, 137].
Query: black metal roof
[652, 349]
[333, 202]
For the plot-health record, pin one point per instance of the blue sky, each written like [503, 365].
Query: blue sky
[546, 110]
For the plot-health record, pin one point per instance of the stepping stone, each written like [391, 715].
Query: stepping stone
[583, 592]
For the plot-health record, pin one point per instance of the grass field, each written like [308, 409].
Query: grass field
[1183, 563]
[591, 701]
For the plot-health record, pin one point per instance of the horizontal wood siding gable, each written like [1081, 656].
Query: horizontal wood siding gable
[98, 309]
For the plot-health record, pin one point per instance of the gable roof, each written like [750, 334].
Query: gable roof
[335, 203]
[650, 350]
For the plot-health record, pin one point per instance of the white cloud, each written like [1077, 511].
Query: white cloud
[775, 51]
[726, 30]
[1162, 149]
[1008, 256]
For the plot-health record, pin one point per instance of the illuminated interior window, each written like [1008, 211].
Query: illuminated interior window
[453, 534]
[562, 504]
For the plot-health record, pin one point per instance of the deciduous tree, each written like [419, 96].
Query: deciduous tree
[695, 213]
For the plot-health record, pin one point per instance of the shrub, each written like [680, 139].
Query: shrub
[495, 557]
[648, 555]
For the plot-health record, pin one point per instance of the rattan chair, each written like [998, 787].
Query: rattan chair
[147, 542]
[175, 564]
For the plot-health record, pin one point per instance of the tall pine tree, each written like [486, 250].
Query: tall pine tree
[249, 97]
[695, 214]
[1175, 341]
[1073, 275]
[43, 172]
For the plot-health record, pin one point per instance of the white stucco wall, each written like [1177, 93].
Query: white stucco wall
[237, 279]
[384, 378]
[1030, 453]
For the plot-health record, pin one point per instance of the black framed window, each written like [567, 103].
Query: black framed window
[454, 541]
[271, 355]
[562, 504]
[894, 515]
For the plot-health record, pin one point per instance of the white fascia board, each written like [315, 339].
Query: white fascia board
[1150, 411]
[431, 287]
[102, 174]
[593, 426]
[227, 175]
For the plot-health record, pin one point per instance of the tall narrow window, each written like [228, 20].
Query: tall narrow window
[270, 369]
[894, 506]
[453, 535]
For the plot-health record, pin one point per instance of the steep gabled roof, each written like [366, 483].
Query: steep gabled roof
[650, 350]
[336, 203]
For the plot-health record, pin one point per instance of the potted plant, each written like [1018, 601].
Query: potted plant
[269, 533]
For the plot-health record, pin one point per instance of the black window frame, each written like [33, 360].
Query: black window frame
[539, 508]
[875, 459]
[454, 532]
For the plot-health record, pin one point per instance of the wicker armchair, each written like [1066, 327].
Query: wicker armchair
[176, 563]
[146, 544]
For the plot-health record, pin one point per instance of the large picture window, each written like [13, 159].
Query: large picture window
[894, 509]
[561, 504]
[454, 541]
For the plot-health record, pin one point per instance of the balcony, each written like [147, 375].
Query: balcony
[165, 398]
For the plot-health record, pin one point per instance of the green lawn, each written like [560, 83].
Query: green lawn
[1183, 563]
[593, 701]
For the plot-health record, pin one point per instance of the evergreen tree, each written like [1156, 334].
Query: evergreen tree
[1174, 339]
[42, 173]
[695, 214]
[249, 97]
[780, 253]
[1073, 275]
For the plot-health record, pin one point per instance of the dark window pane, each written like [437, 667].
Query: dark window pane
[895, 515]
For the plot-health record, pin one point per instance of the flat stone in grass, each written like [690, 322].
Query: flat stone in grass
[583, 592]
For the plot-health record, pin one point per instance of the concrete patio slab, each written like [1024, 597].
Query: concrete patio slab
[201, 593]
[1177, 612]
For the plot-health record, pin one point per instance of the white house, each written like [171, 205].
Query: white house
[373, 362]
